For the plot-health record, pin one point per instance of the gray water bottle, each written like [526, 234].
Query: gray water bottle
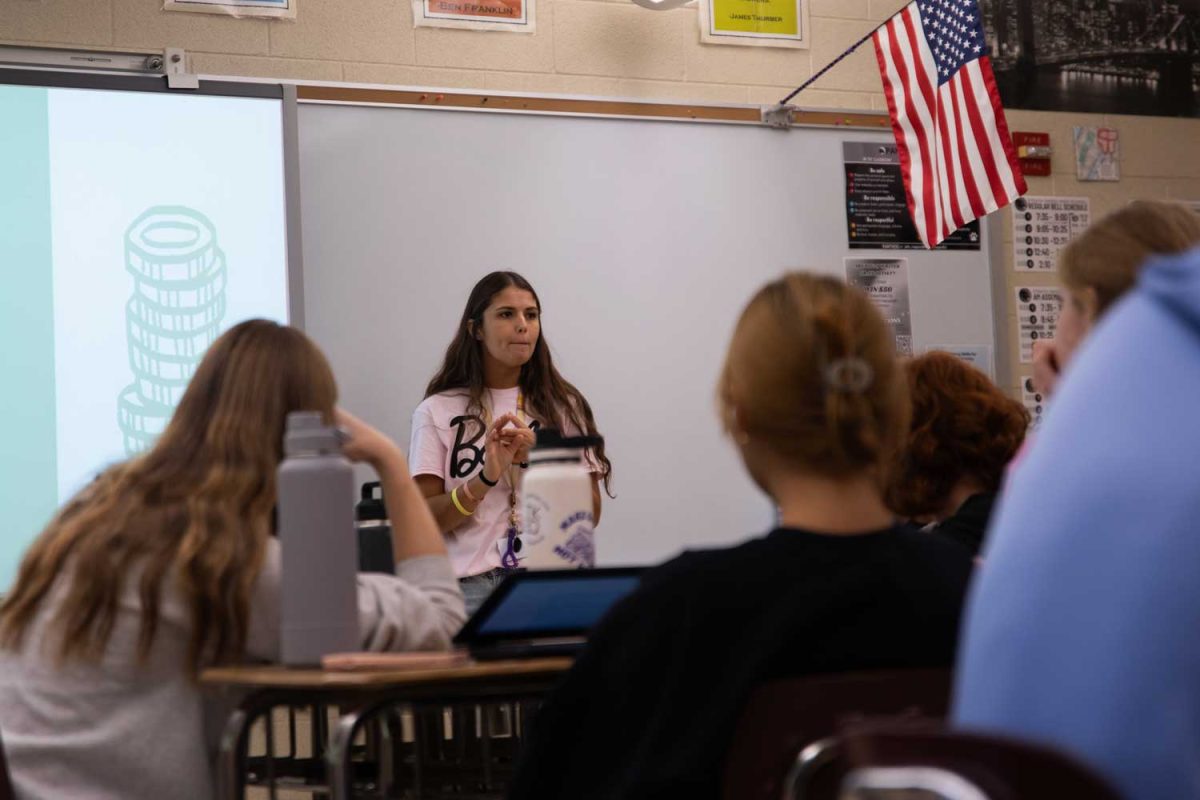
[317, 537]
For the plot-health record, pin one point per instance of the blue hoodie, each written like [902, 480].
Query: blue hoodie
[1083, 627]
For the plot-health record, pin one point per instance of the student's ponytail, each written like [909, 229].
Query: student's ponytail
[812, 371]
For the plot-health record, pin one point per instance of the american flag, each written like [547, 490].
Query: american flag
[957, 157]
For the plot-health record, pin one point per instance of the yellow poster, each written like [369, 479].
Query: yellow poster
[771, 23]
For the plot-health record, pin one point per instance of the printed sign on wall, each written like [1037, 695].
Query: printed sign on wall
[877, 215]
[978, 356]
[1042, 226]
[885, 282]
[1035, 403]
[516, 16]
[279, 9]
[1037, 316]
[757, 23]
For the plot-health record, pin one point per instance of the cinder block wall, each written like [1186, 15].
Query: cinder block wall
[609, 48]
[592, 47]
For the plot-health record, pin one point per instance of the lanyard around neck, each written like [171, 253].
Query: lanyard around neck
[487, 412]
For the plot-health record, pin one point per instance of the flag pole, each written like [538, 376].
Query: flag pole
[835, 62]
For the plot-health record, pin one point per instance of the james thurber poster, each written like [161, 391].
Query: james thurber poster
[885, 282]
[515, 16]
[758, 23]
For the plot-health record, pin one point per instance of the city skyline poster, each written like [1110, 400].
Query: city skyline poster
[1099, 56]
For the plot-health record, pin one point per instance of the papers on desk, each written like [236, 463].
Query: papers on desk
[395, 661]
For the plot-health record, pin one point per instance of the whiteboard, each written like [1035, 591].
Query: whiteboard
[644, 240]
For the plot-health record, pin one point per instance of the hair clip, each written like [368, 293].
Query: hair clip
[849, 375]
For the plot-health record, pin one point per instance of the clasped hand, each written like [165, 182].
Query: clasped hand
[1047, 366]
[508, 441]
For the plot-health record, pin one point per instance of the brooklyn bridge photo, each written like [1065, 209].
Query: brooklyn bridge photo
[1110, 56]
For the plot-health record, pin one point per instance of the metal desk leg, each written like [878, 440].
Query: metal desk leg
[341, 740]
[231, 756]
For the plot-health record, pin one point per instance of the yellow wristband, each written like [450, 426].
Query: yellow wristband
[458, 503]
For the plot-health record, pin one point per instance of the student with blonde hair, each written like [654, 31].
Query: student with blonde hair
[1100, 265]
[167, 563]
[814, 400]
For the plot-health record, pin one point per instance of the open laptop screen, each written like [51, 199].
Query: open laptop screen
[528, 605]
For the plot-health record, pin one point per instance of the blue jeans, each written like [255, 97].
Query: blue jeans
[476, 588]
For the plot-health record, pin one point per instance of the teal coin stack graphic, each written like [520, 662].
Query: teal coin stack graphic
[175, 313]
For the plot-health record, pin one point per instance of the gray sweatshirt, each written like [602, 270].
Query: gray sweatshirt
[116, 729]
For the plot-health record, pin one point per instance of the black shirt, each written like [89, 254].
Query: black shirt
[969, 523]
[648, 709]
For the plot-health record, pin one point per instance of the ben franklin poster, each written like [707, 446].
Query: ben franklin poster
[493, 15]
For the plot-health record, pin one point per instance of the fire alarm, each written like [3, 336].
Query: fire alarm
[1034, 151]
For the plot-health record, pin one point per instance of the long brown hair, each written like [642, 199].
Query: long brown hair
[812, 373]
[552, 398]
[195, 508]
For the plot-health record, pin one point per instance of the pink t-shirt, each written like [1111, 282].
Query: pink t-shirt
[450, 445]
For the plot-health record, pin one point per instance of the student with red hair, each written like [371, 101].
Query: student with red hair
[964, 431]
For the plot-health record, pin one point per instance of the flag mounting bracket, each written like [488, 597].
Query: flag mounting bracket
[778, 116]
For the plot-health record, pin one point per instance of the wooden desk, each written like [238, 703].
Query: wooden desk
[359, 695]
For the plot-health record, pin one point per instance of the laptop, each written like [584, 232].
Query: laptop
[541, 613]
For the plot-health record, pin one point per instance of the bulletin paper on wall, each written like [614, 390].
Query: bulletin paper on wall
[278, 9]
[978, 356]
[756, 23]
[1097, 154]
[1035, 403]
[885, 281]
[1042, 226]
[514, 16]
[877, 216]
[1037, 316]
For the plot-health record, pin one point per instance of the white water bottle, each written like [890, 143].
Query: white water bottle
[556, 504]
[318, 540]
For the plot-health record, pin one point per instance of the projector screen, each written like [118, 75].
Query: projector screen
[136, 227]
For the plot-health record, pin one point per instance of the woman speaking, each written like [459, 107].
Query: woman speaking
[472, 432]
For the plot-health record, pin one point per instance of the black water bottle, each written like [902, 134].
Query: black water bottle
[374, 531]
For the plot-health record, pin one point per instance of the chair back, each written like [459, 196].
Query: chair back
[784, 716]
[6, 788]
[900, 761]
